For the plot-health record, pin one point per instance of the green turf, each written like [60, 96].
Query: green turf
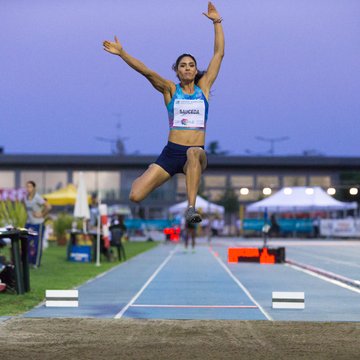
[57, 273]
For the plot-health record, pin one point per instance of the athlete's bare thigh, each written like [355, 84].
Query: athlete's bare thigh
[152, 178]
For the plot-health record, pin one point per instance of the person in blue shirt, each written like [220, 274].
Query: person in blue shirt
[187, 106]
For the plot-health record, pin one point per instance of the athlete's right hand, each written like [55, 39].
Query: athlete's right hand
[113, 47]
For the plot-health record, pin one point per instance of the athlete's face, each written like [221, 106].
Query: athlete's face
[186, 69]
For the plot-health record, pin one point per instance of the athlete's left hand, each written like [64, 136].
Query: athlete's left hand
[212, 13]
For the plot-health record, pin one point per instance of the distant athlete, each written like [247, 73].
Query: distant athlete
[187, 106]
[190, 232]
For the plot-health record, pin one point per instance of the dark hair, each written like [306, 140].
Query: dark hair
[199, 74]
[32, 183]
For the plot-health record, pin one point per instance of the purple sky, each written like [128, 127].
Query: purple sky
[291, 68]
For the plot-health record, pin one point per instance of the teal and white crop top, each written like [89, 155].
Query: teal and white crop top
[188, 112]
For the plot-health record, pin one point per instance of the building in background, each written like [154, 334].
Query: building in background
[251, 178]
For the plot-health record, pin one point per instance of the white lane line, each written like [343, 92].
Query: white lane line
[151, 278]
[326, 273]
[242, 287]
[329, 259]
[322, 277]
[196, 306]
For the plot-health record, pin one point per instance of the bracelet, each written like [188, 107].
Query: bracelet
[217, 21]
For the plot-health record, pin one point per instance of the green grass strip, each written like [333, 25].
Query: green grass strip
[56, 273]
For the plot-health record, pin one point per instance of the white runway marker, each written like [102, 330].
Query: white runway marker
[62, 298]
[151, 278]
[288, 300]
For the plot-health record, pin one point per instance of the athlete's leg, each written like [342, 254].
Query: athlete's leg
[194, 166]
[193, 236]
[152, 178]
[186, 238]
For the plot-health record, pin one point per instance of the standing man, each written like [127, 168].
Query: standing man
[37, 208]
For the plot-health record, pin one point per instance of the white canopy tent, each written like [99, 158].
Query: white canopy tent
[300, 199]
[201, 204]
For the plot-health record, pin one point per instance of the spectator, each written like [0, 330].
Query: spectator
[238, 226]
[274, 226]
[94, 212]
[37, 208]
[216, 226]
[316, 226]
[117, 230]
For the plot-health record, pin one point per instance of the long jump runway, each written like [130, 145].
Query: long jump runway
[169, 283]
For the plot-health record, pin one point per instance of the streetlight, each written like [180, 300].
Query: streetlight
[244, 191]
[267, 191]
[353, 191]
[272, 141]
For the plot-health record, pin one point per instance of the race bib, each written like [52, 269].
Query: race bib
[189, 113]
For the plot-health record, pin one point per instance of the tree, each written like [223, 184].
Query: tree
[213, 148]
[201, 191]
[231, 204]
[347, 180]
[230, 201]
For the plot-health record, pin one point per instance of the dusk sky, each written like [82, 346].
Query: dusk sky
[291, 68]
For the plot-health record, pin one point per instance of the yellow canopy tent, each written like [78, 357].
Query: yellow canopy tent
[64, 196]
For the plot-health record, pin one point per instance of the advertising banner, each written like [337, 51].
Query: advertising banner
[340, 227]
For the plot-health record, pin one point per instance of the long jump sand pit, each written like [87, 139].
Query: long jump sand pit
[22, 338]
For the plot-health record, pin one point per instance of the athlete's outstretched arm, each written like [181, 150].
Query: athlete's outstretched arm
[155, 79]
[219, 48]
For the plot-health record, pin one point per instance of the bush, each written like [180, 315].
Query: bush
[12, 213]
[62, 223]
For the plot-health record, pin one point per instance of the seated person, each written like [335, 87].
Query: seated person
[117, 230]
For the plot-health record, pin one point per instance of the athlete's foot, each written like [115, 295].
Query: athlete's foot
[191, 216]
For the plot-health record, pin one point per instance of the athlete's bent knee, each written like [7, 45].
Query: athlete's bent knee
[194, 153]
[135, 196]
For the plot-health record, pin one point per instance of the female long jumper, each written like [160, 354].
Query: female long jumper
[187, 106]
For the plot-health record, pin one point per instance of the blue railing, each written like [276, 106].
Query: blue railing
[158, 224]
[286, 225]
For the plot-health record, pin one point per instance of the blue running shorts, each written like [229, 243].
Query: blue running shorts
[173, 158]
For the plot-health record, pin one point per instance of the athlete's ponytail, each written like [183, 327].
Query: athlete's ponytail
[200, 73]
[198, 76]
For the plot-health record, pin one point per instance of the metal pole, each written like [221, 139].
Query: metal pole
[25, 261]
[266, 230]
[15, 249]
[208, 215]
[98, 234]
